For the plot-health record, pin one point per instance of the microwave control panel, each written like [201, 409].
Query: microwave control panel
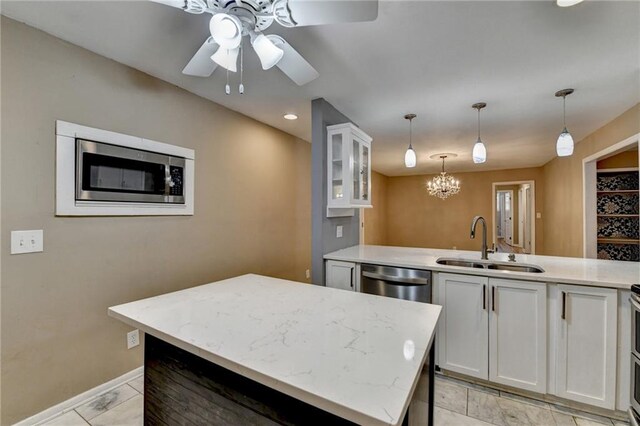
[176, 179]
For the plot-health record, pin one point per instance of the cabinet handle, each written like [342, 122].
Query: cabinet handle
[564, 306]
[351, 278]
[493, 299]
[484, 297]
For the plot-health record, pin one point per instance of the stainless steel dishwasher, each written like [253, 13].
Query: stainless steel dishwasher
[401, 283]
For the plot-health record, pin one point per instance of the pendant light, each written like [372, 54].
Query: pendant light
[410, 156]
[564, 145]
[479, 153]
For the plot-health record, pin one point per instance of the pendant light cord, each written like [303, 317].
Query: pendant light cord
[443, 164]
[410, 133]
[564, 111]
[478, 123]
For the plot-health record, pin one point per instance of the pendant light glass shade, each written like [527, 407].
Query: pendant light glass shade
[479, 152]
[269, 53]
[410, 158]
[226, 30]
[564, 145]
[226, 58]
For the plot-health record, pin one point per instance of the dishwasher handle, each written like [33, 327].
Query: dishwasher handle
[396, 279]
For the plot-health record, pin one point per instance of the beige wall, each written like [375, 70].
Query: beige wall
[252, 215]
[622, 160]
[416, 219]
[375, 218]
[563, 185]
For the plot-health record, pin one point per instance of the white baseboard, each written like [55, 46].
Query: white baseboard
[78, 400]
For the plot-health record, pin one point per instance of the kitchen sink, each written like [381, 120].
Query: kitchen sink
[515, 267]
[461, 262]
[481, 264]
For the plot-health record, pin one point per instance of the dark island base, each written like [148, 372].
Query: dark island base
[183, 389]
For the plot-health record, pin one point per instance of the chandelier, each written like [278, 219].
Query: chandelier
[443, 185]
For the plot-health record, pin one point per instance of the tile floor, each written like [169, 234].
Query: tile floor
[458, 403]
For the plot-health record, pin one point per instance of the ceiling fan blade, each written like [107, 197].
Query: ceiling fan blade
[292, 63]
[180, 4]
[320, 12]
[201, 64]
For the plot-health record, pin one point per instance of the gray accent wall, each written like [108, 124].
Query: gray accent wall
[323, 229]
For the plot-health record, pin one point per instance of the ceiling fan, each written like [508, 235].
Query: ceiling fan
[233, 20]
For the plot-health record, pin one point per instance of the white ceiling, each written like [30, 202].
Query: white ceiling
[431, 58]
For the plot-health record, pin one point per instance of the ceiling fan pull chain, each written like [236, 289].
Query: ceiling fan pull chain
[241, 87]
[227, 88]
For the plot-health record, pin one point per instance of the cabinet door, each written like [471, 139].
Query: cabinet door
[336, 168]
[586, 363]
[518, 334]
[340, 275]
[464, 332]
[356, 170]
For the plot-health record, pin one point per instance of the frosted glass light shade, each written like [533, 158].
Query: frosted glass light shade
[564, 146]
[410, 158]
[226, 58]
[268, 52]
[479, 153]
[226, 30]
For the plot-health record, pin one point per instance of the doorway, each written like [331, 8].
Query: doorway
[513, 216]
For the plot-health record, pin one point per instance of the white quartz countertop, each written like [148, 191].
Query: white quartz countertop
[355, 355]
[566, 270]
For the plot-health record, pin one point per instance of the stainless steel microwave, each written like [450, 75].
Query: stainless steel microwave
[106, 172]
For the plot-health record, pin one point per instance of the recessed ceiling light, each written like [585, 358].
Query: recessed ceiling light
[567, 3]
[290, 117]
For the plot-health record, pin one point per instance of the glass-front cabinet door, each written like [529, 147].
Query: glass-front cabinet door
[348, 167]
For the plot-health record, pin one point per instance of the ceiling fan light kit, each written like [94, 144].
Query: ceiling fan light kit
[234, 19]
[564, 144]
[266, 50]
[479, 152]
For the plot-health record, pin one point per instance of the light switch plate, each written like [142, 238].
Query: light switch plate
[339, 231]
[538, 215]
[27, 241]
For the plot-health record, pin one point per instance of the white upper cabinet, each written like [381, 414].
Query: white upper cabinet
[348, 169]
[587, 340]
[518, 334]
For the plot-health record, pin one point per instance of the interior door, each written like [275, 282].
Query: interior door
[508, 217]
[518, 334]
[463, 341]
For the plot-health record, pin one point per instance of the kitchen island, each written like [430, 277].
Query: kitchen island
[258, 350]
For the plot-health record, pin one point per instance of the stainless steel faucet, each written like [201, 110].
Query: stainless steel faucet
[484, 251]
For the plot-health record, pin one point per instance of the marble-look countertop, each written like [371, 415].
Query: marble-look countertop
[566, 270]
[354, 355]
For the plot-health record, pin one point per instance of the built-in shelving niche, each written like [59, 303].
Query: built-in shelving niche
[618, 211]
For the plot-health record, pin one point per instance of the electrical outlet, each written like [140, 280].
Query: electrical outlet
[307, 274]
[339, 231]
[538, 215]
[133, 339]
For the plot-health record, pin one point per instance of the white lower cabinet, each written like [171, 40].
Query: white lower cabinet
[341, 275]
[493, 329]
[587, 343]
[463, 339]
[518, 334]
